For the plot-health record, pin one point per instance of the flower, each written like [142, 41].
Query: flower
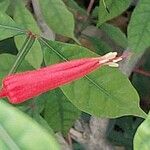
[20, 87]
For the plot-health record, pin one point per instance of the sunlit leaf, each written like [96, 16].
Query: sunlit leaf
[142, 136]
[18, 131]
[105, 92]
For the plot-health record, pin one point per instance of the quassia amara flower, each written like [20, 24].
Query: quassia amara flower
[20, 87]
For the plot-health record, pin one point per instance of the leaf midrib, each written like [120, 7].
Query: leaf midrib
[11, 28]
[7, 139]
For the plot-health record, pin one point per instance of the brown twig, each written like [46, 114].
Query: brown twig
[90, 6]
[127, 66]
[46, 31]
[140, 71]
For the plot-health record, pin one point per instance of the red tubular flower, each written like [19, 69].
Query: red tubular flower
[20, 87]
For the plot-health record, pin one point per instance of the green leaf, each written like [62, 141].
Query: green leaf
[18, 131]
[116, 7]
[106, 92]
[75, 8]
[35, 55]
[139, 27]
[4, 5]
[115, 34]
[8, 28]
[142, 136]
[65, 113]
[5, 67]
[38, 103]
[100, 46]
[58, 17]
[24, 17]
[34, 108]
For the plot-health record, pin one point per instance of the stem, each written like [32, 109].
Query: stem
[129, 64]
[90, 6]
[142, 72]
[46, 30]
[22, 53]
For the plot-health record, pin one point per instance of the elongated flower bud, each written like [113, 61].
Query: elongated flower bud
[23, 86]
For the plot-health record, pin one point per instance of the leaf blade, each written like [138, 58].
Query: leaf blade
[142, 135]
[115, 7]
[10, 59]
[23, 136]
[24, 17]
[115, 34]
[64, 22]
[8, 28]
[65, 112]
[4, 5]
[102, 84]
[138, 29]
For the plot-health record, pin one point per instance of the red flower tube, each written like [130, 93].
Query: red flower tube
[20, 87]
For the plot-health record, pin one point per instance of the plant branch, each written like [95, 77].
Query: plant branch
[142, 72]
[127, 66]
[47, 32]
[90, 6]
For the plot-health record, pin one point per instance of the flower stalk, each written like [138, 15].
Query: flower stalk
[29, 41]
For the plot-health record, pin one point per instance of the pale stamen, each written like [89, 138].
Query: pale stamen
[118, 59]
[112, 64]
[110, 59]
